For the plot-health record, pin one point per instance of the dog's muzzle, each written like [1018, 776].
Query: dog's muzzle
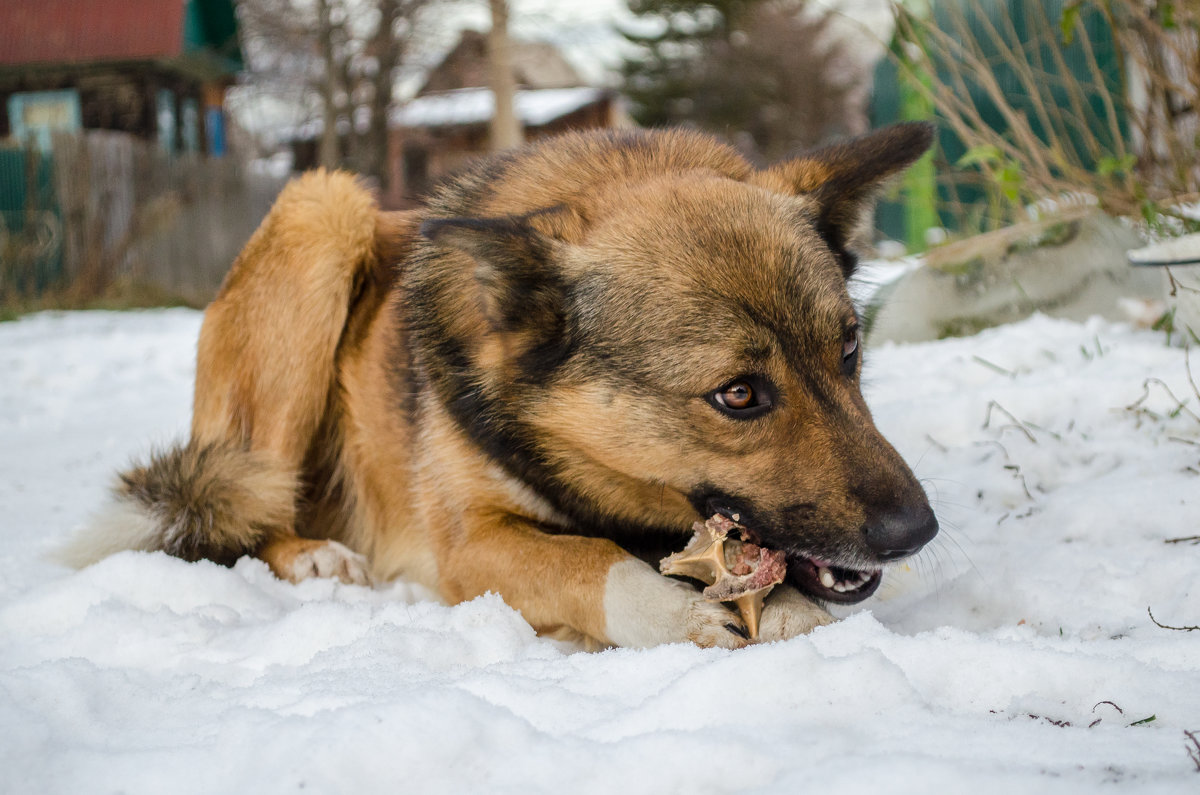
[887, 536]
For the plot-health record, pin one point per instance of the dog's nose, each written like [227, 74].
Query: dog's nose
[900, 533]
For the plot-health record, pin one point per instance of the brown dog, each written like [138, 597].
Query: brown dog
[574, 352]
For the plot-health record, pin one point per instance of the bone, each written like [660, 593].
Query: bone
[734, 571]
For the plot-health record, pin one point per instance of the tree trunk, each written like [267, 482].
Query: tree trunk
[505, 128]
[329, 154]
[388, 50]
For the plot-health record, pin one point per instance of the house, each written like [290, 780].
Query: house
[446, 125]
[438, 134]
[156, 69]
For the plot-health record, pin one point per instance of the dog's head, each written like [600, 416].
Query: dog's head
[683, 344]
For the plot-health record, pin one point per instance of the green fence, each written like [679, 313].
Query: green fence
[1034, 24]
[103, 211]
[30, 223]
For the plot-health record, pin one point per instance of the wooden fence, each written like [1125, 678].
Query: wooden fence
[104, 210]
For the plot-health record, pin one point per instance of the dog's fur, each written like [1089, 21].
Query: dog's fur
[519, 386]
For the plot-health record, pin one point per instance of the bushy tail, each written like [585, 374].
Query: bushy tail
[211, 501]
[310, 278]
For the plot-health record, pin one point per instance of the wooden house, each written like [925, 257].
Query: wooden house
[156, 69]
[447, 124]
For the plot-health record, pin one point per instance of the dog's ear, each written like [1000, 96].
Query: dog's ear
[843, 178]
[521, 291]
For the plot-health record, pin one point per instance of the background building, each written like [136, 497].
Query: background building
[156, 70]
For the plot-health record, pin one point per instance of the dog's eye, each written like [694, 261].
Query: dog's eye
[850, 342]
[743, 398]
[737, 396]
[849, 349]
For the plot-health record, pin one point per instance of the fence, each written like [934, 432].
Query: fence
[1006, 35]
[103, 210]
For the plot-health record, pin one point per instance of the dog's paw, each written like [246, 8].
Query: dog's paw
[331, 559]
[788, 613]
[642, 608]
[711, 624]
[296, 559]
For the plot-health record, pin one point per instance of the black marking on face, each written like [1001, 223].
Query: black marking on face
[492, 424]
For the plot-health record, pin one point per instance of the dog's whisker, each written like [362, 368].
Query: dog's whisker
[948, 540]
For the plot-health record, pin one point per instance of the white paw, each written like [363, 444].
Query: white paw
[788, 613]
[642, 608]
[331, 559]
[712, 624]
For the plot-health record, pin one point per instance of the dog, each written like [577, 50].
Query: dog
[536, 383]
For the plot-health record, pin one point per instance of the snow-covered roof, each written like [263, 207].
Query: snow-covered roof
[534, 107]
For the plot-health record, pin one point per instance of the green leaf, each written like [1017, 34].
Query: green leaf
[1166, 322]
[1150, 719]
[1166, 15]
[1151, 213]
[1067, 22]
[1107, 166]
[984, 153]
[1010, 181]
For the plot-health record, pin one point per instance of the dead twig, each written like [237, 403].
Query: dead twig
[1098, 720]
[1187, 366]
[993, 366]
[937, 444]
[1062, 724]
[1180, 406]
[1056, 436]
[1193, 748]
[1167, 626]
[1183, 540]
[1016, 423]
[1020, 476]
[1176, 286]
[993, 442]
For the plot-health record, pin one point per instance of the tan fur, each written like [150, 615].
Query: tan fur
[305, 369]
[296, 559]
[231, 498]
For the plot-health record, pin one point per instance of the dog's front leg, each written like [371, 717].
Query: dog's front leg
[590, 585]
[788, 613]
[643, 608]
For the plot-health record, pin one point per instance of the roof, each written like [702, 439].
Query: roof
[535, 64]
[534, 107]
[81, 31]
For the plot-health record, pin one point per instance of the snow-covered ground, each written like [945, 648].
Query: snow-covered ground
[1014, 655]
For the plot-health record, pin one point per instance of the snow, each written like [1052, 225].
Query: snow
[534, 107]
[1011, 656]
[1181, 250]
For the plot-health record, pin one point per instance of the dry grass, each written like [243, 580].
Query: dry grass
[1126, 137]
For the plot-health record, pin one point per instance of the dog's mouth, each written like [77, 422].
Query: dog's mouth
[815, 577]
[823, 580]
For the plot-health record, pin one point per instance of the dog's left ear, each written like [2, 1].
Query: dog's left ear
[844, 177]
[521, 292]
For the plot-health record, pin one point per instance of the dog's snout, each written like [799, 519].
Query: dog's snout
[900, 533]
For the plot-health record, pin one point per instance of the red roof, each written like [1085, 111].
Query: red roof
[71, 31]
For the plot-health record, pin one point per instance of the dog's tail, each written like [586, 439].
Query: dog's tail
[305, 287]
[193, 501]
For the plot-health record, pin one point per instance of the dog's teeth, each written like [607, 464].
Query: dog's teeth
[827, 578]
